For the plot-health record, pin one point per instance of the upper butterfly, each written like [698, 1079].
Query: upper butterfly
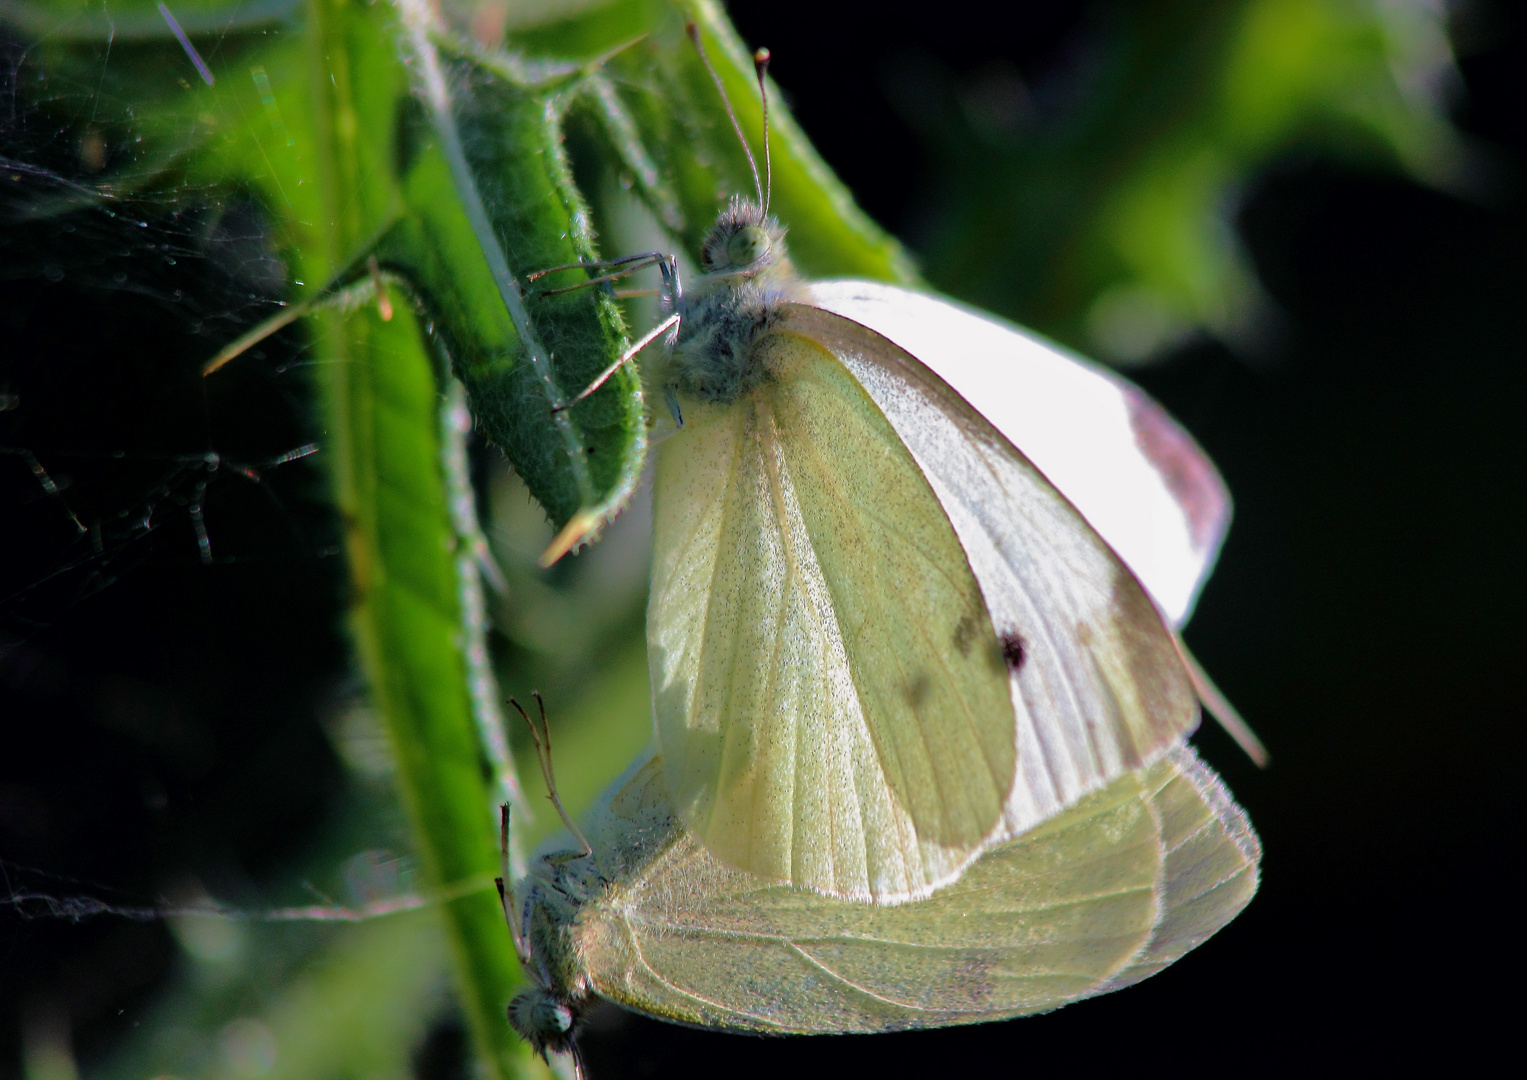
[880, 639]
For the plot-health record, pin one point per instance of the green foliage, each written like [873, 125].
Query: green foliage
[1104, 224]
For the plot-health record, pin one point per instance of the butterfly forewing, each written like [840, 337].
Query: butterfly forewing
[830, 694]
[1097, 685]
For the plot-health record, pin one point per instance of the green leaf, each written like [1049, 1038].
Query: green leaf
[490, 201]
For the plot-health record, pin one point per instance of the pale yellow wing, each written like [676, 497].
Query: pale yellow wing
[1100, 689]
[1103, 895]
[829, 692]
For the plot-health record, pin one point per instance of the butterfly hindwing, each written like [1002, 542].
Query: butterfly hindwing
[1211, 866]
[1102, 895]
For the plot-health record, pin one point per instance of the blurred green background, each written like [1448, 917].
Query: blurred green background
[1297, 222]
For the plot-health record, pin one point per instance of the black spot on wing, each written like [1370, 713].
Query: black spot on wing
[1013, 651]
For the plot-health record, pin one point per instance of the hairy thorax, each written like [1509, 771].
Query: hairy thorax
[732, 307]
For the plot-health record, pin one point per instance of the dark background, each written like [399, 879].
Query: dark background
[1366, 613]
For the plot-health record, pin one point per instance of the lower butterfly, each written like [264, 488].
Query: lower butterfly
[1099, 897]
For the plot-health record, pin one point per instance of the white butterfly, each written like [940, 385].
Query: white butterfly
[1104, 894]
[880, 639]
[916, 573]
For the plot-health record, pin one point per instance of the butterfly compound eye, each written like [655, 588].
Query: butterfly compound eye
[747, 245]
[544, 1021]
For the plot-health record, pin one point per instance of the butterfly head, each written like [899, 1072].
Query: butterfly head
[745, 241]
[544, 1020]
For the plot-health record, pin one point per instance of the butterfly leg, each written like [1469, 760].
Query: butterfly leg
[672, 398]
[619, 268]
[506, 889]
[647, 339]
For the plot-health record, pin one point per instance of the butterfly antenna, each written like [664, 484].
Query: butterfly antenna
[694, 35]
[542, 738]
[761, 58]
